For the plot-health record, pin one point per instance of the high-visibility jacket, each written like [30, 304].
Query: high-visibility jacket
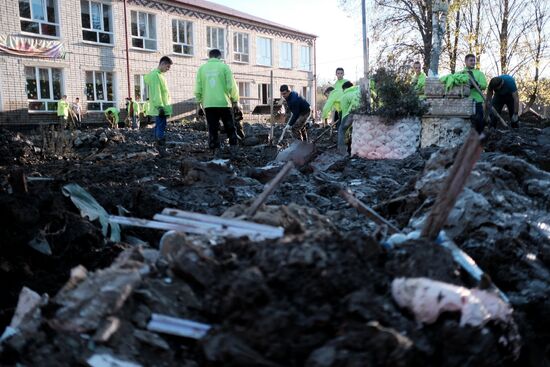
[338, 84]
[136, 108]
[481, 81]
[145, 107]
[420, 82]
[62, 108]
[332, 103]
[114, 111]
[215, 85]
[159, 96]
[351, 99]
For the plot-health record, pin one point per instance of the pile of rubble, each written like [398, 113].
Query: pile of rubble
[335, 290]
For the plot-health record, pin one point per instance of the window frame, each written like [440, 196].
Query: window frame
[102, 102]
[258, 38]
[142, 88]
[39, 98]
[41, 22]
[245, 102]
[209, 38]
[238, 40]
[191, 45]
[301, 65]
[147, 30]
[281, 55]
[97, 31]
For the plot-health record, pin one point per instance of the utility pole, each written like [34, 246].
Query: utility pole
[127, 55]
[366, 81]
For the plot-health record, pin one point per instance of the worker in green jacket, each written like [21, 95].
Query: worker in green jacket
[350, 100]
[338, 86]
[112, 115]
[419, 79]
[145, 111]
[132, 112]
[159, 100]
[333, 102]
[216, 91]
[481, 81]
[63, 111]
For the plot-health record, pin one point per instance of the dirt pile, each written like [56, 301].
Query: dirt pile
[320, 296]
[318, 301]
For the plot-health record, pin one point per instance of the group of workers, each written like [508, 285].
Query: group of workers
[501, 91]
[217, 94]
[134, 110]
[69, 114]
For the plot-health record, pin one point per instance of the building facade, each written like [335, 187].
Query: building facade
[49, 48]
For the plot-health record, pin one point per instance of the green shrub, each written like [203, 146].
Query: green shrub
[394, 95]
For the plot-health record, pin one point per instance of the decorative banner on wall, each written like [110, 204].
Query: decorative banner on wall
[31, 47]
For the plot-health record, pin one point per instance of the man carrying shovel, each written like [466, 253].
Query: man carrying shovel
[299, 113]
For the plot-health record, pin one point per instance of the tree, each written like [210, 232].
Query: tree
[508, 21]
[394, 21]
[538, 43]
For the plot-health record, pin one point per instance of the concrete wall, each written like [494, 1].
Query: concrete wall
[82, 56]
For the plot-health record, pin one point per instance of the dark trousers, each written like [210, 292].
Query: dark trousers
[499, 102]
[336, 116]
[213, 117]
[160, 127]
[477, 118]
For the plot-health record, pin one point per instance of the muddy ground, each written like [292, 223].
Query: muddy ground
[320, 296]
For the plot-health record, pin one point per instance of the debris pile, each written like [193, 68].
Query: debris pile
[332, 291]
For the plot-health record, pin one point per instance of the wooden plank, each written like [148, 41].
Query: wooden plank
[221, 229]
[219, 220]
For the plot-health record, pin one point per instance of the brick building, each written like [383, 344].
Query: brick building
[91, 63]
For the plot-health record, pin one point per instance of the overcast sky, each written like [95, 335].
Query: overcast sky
[339, 36]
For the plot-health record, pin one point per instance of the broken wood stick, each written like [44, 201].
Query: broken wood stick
[368, 212]
[269, 188]
[465, 161]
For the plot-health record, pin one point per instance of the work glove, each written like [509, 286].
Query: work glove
[161, 112]
[515, 118]
[234, 104]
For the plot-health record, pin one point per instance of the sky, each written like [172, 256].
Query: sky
[339, 33]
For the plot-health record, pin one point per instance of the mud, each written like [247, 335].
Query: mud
[319, 296]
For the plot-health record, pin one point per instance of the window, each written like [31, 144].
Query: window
[39, 17]
[263, 51]
[144, 33]
[182, 37]
[215, 39]
[140, 88]
[305, 63]
[43, 88]
[244, 91]
[99, 90]
[286, 55]
[264, 93]
[97, 22]
[240, 44]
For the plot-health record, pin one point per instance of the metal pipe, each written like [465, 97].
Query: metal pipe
[366, 81]
[127, 52]
[314, 94]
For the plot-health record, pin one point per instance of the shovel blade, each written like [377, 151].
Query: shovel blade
[299, 152]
